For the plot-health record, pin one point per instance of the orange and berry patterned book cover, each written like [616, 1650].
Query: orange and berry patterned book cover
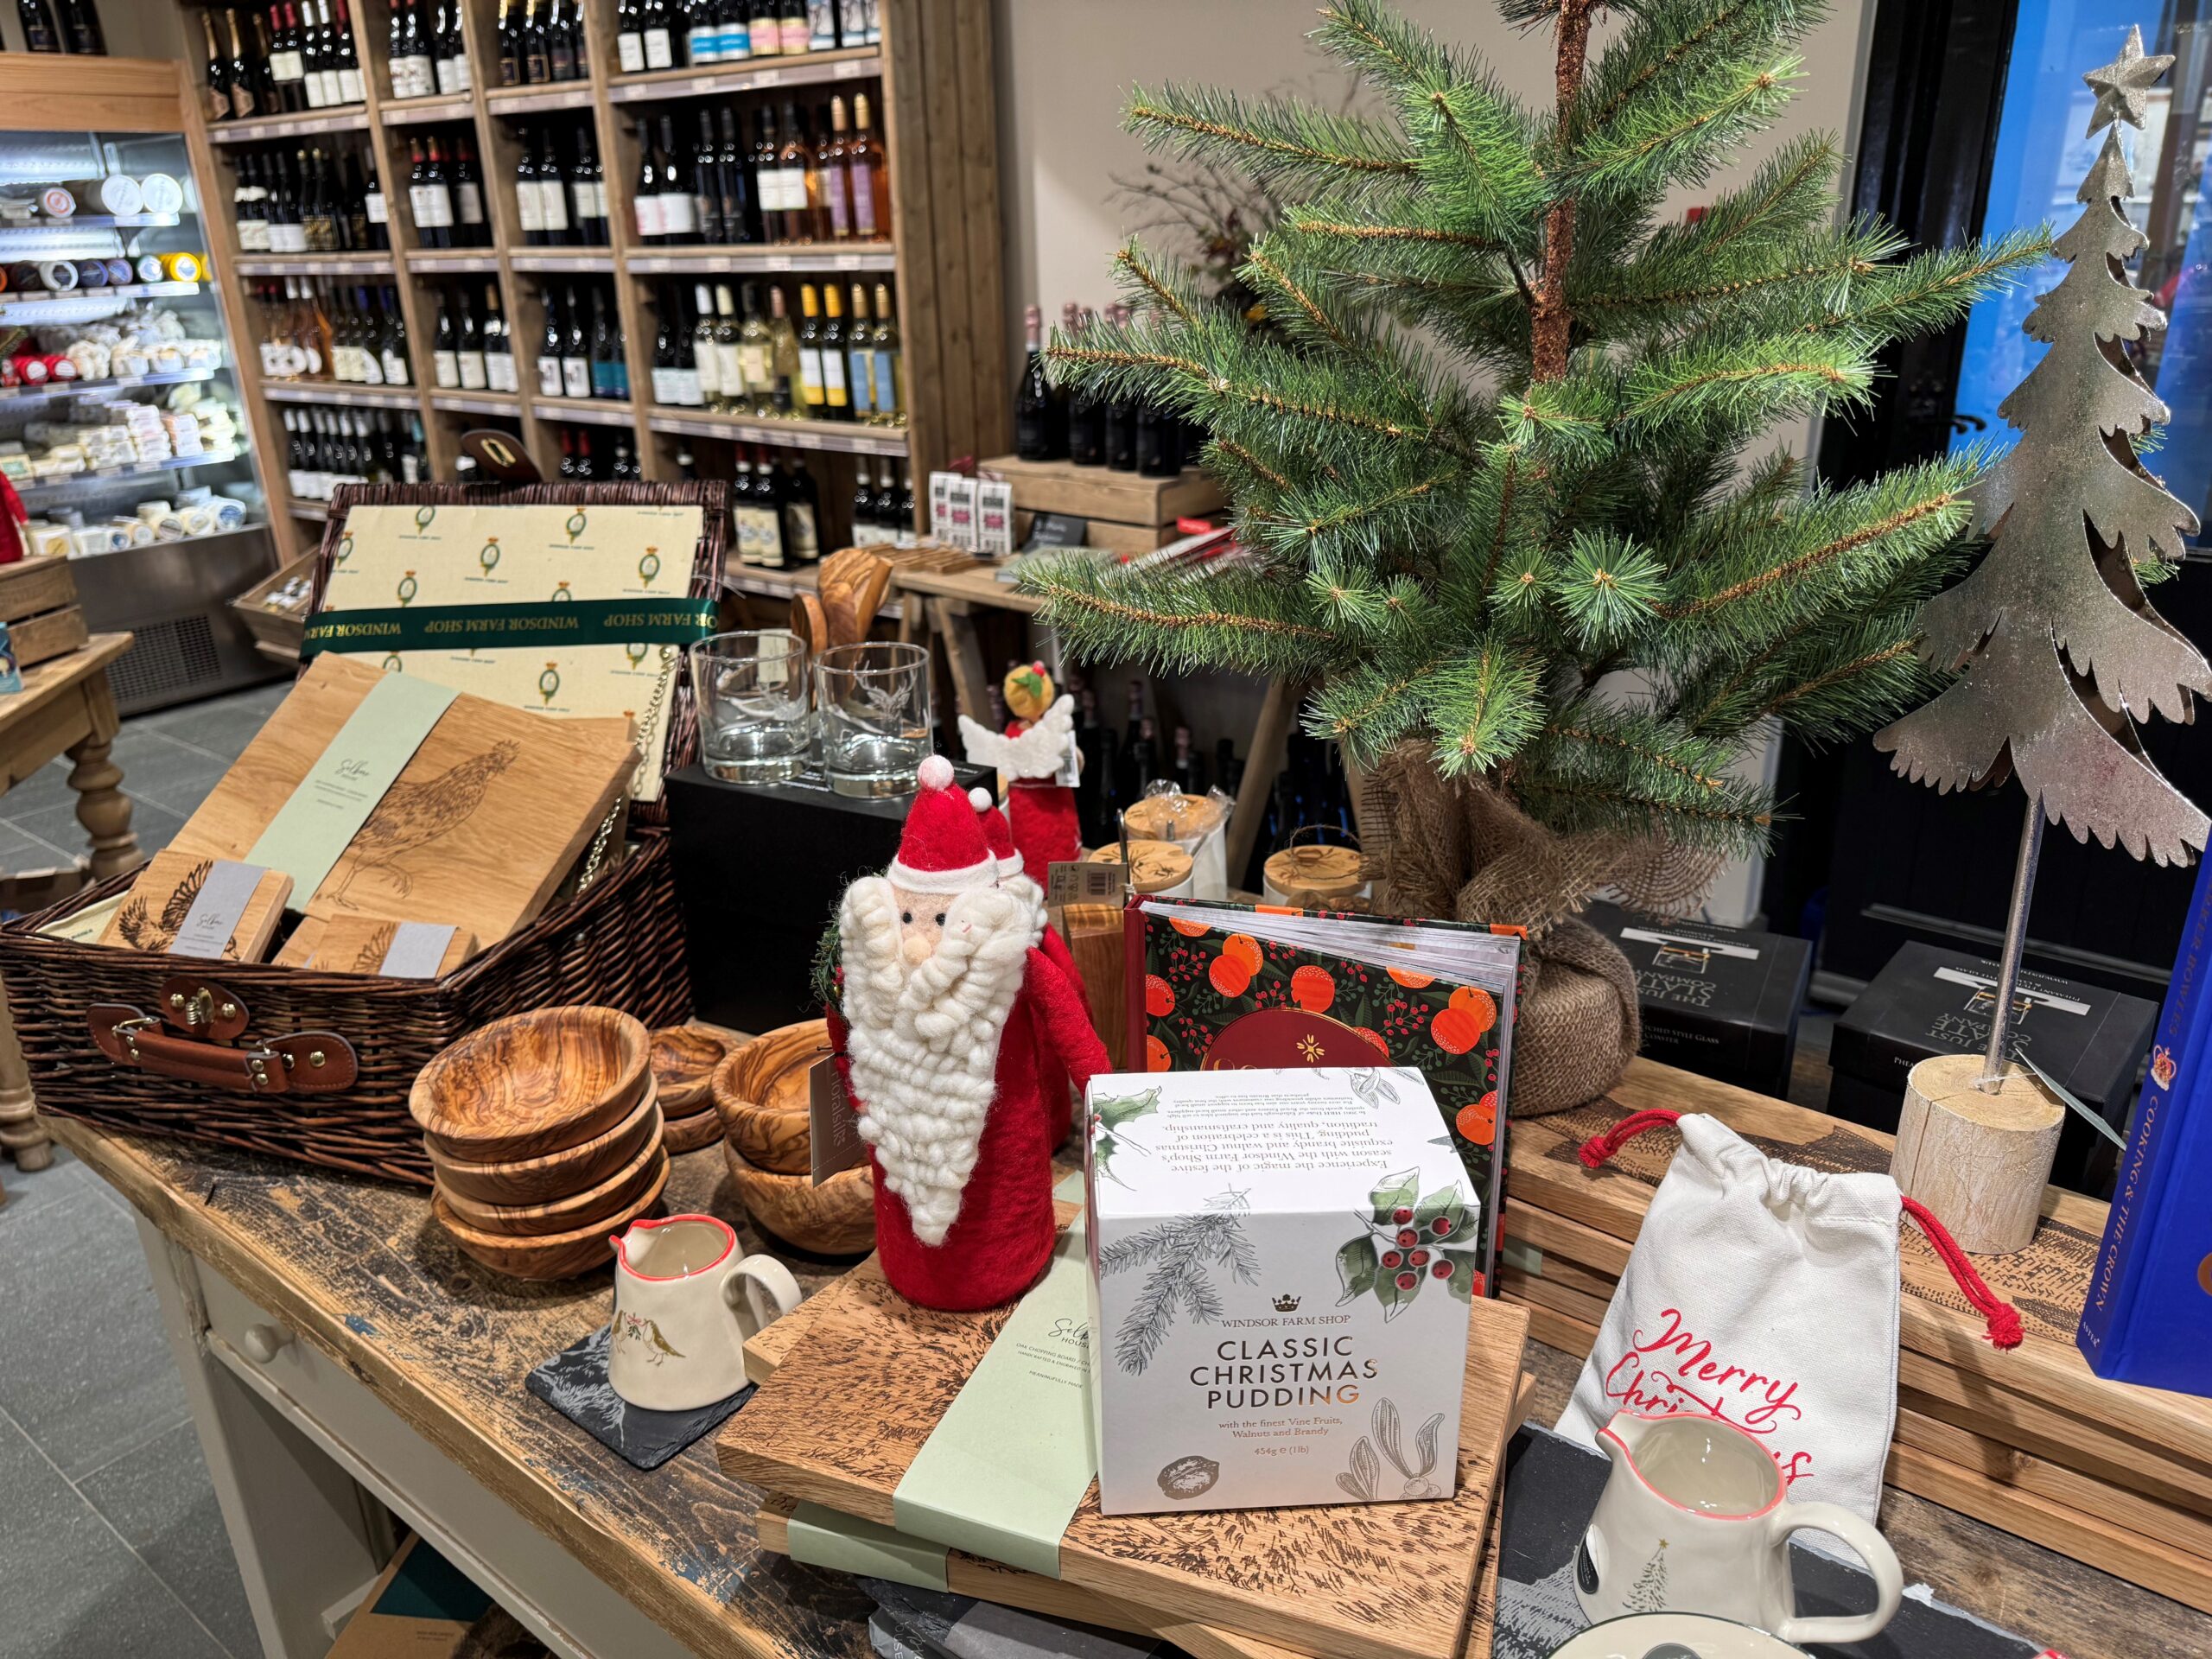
[1208, 992]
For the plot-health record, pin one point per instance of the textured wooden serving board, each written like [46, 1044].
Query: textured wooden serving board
[349, 942]
[161, 899]
[483, 825]
[2047, 1281]
[851, 1402]
[1033, 1592]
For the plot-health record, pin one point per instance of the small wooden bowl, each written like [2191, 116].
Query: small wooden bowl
[761, 1092]
[836, 1218]
[555, 1256]
[557, 1174]
[532, 1083]
[564, 1215]
[692, 1134]
[684, 1062]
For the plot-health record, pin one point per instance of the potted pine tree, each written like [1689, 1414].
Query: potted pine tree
[1494, 464]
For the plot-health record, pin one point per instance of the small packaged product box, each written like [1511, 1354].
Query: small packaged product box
[1281, 1263]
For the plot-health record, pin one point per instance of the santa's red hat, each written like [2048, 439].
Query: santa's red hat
[943, 848]
[998, 832]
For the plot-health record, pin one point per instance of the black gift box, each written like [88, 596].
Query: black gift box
[1930, 1001]
[760, 868]
[1719, 1001]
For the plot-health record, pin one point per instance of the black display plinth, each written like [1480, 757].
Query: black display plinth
[1929, 1001]
[759, 870]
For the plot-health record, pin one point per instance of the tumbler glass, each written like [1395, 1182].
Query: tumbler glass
[872, 715]
[752, 692]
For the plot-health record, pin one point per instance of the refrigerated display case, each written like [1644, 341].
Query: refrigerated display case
[1976, 122]
[122, 425]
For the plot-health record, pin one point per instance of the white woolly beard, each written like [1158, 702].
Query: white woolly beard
[924, 1038]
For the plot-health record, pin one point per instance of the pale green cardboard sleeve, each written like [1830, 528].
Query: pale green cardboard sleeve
[312, 830]
[1001, 1473]
[821, 1537]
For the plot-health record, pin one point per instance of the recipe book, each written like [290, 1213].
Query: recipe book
[1217, 986]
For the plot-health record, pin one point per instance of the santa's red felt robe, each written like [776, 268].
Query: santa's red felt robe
[1002, 1239]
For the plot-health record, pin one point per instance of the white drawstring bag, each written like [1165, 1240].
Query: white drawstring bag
[1765, 1293]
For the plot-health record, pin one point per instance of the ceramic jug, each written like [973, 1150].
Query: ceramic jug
[685, 1302]
[1692, 1520]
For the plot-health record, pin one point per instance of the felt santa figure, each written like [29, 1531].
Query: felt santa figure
[1033, 755]
[957, 1039]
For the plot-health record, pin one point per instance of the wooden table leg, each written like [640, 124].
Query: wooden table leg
[963, 653]
[21, 1131]
[102, 808]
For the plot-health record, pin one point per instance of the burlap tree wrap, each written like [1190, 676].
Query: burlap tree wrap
[1461, 848]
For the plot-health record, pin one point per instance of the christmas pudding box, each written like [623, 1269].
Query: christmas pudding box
[1278, 1292]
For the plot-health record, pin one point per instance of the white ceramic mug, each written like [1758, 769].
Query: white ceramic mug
[1692, 1520]
[685, 1302]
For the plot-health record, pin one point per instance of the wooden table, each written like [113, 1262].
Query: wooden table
[65, 708]
[330, 1334]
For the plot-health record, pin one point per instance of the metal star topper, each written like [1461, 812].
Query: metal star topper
[2122, 86]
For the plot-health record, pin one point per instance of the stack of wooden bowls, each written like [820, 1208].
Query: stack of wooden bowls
[684, 1062]
[761, 1091]
[545, 1134]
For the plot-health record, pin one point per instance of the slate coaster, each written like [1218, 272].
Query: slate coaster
[574, 1383]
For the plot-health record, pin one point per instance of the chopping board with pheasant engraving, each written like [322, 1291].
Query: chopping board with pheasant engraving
[848, 1406]
[484, 822]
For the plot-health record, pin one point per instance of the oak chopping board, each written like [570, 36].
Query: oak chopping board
[850, 1403]
[1010, 1586]
[162, 897]
[484, 824]
[354, 943]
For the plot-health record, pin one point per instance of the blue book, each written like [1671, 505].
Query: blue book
[2148, 1316]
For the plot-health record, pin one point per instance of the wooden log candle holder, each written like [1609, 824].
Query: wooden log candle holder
[1978, 1160]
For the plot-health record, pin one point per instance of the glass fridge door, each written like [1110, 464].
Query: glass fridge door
[120, 420]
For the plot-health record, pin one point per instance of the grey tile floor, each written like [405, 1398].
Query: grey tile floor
[111, 1542]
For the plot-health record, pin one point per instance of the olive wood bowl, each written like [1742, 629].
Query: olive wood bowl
[557, 1174]
[593, 1205]
[760, 1091]
[699, 1130]
[532, 1083]
[684, 1062]
[554, 1256]
[836, 1218]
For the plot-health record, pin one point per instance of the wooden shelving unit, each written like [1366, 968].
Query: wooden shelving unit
[931, 86]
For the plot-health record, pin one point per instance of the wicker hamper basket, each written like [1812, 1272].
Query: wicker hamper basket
[174, 1068]
[619, 944]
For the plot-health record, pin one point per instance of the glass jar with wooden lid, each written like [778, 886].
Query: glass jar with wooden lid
[1193, 822]
[1312, 876]
[1157, 869]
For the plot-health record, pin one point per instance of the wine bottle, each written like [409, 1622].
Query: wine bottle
[678, 213]
[646, 198]
[509, 34]
[374, 210]
[499, 346]
[835, 186]
[218, 72]
[802, 516]
[607, 371]
[392, 345]
[796, 180]
[703, 41]
[1086, 416]
[529, 206]
[549, 348]
[712, 394]
[552, 194]
[729, 352]
[475, 376]
[755, 359]
[536, 61]
[629, 37]
[785, 373]
[241, 74]
[319, 55]
[1040, 425]
[734, 179]
[867, 181]
[836, 393]
[1119, 423]
[706, 193]
[588, 192]
[576, 349]
[472, 229]
[795, 30]
[80, 28]
[41, 33]
[660, 47]
[889, 399]
[811, 387]
[734, 22]
[860, 358]
[445, 364]
[668, 322]
[560, 43]
[347, 57]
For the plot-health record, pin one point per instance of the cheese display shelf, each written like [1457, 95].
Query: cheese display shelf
[124, 424]
[598, 310]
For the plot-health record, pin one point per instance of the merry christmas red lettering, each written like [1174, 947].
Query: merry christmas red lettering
[1677, 1370]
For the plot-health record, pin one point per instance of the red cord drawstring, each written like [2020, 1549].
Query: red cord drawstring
[1599, 1147]
[2003, 1317]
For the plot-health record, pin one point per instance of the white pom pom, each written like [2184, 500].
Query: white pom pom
[979, 798]
[936, 772]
